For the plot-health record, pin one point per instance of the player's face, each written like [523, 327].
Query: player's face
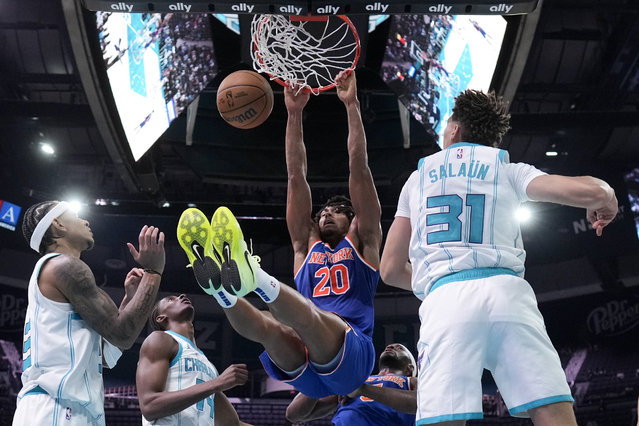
[78, 230]
[331, 222]
[395, 354]
[177, 308]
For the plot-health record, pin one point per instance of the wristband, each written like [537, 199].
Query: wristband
[152, 271]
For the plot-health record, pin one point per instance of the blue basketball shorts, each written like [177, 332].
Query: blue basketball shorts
[358, 360]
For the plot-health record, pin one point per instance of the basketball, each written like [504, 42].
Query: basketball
[244, 99]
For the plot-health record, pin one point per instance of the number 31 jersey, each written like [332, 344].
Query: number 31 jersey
[340, 280]
[461, 202]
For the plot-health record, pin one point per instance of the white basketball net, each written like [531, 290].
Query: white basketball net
[308, 53]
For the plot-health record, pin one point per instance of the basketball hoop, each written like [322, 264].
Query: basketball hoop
[307, 50]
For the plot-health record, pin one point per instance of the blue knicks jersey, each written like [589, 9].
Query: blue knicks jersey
[364, 411]
[340, 280]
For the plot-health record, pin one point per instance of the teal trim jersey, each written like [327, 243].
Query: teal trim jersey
[189, 367]
[461, 202]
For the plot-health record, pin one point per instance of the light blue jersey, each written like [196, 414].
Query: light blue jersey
[461, 203]
[62, 358]
[189, 367]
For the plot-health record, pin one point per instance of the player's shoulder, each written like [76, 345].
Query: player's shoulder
[159, 343]
[158, 336]
[63, 270]
[64, 262]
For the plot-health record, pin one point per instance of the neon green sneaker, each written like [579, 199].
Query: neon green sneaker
[194, 235]
[239, 266]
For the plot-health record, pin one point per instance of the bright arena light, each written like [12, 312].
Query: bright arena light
[523, 214]
[76, 206]
[47, 148]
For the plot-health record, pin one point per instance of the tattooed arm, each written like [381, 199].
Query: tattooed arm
[71, 278]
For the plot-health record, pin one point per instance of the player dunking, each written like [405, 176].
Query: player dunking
[319, 341]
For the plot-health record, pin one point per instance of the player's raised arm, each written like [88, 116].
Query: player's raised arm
[73, 278]
[362, 190]
[298, 202]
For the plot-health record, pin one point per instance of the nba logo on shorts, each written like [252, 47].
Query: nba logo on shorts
[460, 152]
[68, 414]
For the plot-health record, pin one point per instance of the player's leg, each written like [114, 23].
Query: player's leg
[281, 342]
[195, 236]
[557, 414]
[322, 332]
[525, 365]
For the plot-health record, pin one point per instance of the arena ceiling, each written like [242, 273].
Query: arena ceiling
[572, 77]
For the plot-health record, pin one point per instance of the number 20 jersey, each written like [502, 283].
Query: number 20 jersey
[461, 202]
[340, 280]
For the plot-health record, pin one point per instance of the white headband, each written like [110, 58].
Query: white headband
[42, 226]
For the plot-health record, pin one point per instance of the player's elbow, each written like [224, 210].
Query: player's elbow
[395, 274]
[293, 415]
[147, 410]
[122, 339]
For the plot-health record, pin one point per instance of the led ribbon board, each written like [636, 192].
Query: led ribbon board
[319, 7]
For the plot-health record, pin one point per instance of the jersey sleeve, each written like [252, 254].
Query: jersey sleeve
[403, 205]
[520, 175]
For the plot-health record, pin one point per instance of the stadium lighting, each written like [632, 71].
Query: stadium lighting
[551, 153]
[523, 214]
[47, 148]
[76, 206]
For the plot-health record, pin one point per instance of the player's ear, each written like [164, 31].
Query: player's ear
[161, 319]
[411, 370]
[58, 226]
[455, 133]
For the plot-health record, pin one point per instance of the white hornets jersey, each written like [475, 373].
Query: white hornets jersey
[62, 355]
[461, 202]
[189, 367]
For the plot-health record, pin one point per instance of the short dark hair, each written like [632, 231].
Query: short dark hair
[341, 204]
[483, 117]
[153, 321]
[32, 217]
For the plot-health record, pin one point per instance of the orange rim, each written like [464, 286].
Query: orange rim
[297, 18]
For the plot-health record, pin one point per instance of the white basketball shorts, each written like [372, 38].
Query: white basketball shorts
[490, 323]
[41, 409]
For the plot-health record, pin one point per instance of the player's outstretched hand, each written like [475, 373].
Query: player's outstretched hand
[234, 375]
[151, 254]
[600, 218]
[346, 84]
[132, 281]
[295, 99]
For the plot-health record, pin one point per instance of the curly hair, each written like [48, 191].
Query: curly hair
[483, 117]
[342, 205]
[32, 216]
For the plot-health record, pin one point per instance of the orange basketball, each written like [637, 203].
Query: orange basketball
[244, 99]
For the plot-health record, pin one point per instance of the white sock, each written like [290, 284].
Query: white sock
[268, 288]
[224, 298]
